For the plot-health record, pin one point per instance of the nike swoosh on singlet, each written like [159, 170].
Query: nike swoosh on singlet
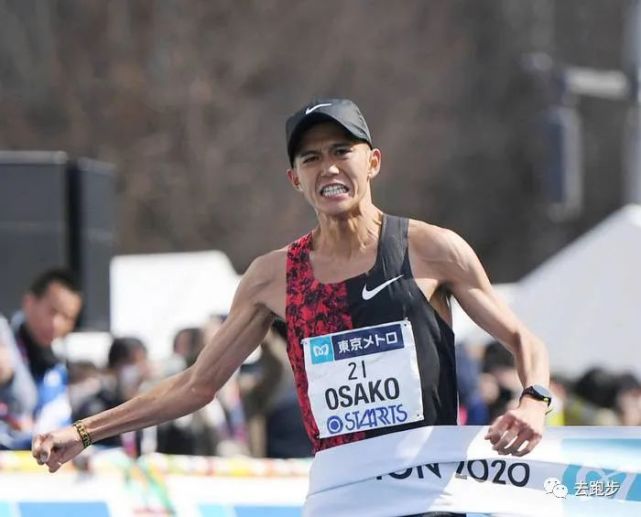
[313, 108]
[369, 294]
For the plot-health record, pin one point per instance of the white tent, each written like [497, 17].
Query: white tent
[153, 296]
[585, 302]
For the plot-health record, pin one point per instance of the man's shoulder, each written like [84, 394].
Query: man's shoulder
[275, 262]
[266, 271]
[439, 251]
[264, 281]
[268, 264]
[433, 241]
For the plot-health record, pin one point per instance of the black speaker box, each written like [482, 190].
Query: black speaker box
[56, 211]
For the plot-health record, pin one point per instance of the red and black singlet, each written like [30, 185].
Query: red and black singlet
[315, 309]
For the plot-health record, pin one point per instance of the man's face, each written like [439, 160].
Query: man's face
[333, 170]
[52, 315]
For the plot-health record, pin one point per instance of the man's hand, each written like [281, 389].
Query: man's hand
[517, 426]
[56, 448]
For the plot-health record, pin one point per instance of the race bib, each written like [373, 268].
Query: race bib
[363, 379]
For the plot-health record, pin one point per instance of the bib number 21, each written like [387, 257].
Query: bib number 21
[356, 369]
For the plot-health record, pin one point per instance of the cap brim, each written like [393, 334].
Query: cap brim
[309, 121]
[303, 125]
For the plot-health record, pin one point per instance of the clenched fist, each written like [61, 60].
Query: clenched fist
[56, 448]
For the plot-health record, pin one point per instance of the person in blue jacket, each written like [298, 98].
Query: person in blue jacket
[33, 380]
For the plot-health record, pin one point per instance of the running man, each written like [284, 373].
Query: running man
[365, 298]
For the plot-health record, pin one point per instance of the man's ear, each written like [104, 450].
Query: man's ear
[293, 179]
[374, 163]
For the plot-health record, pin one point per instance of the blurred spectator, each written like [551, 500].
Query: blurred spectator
[598, 387]
[285, 432]
[129, 362]
[561, 387]
[188, 343]
[591, 402]
[85, 380]
[16, 408]
[274, 423]
[232, 429]
[33, 381]
[217, 429]
[191, 434]
[473, 409]
[93, 391]
[598, 397]
[628, 399]
[499, 383]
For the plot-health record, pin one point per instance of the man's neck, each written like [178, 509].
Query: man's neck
[347, 235]
[25, 335]
[40, 358]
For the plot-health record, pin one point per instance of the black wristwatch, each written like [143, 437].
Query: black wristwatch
[538, 392]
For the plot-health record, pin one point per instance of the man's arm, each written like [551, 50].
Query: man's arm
[248, 321]
[461, 273]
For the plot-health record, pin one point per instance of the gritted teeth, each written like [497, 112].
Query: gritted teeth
[333, 190]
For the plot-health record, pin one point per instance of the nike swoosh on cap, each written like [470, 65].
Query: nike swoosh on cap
[369, 294]
[314, 108]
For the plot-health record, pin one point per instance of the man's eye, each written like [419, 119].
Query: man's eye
[341, 151]
[310, 158]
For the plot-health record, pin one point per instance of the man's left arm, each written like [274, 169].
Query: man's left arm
[468, 282]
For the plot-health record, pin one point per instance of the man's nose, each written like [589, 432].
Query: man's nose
[329, 167]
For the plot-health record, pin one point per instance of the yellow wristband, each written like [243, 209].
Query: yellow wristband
[83, 433]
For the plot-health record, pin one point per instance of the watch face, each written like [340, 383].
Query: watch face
[542, 391]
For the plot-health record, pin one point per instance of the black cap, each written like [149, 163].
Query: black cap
[342, 111]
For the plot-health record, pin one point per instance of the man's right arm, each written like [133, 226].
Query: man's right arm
[247, 324]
